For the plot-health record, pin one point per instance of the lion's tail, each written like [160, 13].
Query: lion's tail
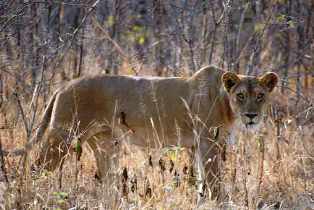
[40, 131]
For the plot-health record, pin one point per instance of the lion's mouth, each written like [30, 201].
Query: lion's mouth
[250, 124]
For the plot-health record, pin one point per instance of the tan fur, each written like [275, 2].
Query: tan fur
[101, 109]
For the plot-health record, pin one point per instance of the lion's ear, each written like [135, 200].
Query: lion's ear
[229, 79]
[269, 80]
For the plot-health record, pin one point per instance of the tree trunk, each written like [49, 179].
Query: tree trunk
[159, 21]
[286, 53]
[34, 43]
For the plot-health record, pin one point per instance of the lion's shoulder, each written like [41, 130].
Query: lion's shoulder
[209, 74]
[210, 71]
[208, 78]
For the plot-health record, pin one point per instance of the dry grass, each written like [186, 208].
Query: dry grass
[262, 171]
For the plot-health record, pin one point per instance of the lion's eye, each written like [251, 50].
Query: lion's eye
[260, 97]
[240, 96]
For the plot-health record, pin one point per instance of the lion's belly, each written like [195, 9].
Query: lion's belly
[147, 137]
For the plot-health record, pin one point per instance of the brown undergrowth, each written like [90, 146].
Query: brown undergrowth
[271, 169]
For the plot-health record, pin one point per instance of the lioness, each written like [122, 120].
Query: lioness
[152, 111]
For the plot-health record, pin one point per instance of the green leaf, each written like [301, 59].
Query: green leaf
[61, 195]
[137, 28]
[281, 18]
[78, 147]
[110, 21]
[259, 27]
[141, 40]
[281, 1]
[291, 24]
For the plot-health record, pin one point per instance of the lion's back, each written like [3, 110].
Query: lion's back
[101, 97]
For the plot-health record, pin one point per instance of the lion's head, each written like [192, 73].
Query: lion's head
[249, 95]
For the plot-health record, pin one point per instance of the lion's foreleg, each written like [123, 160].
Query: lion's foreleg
[105, 150]
[102, 161]
[208, 165]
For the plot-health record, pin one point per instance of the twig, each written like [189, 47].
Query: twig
[92, 8]
[83, 21]
[119, 49]
[261, 146]
[2, 162]
[24, 118]
[18, 13]
[305, 98]
[34, 102]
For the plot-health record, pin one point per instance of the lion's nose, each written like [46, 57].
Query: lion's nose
[251, 115]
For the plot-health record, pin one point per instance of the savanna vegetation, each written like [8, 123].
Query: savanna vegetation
[46, 43]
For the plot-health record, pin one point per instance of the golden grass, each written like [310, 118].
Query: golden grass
[262, 171]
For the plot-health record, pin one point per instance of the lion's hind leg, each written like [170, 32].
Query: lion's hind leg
[60, 144]
[54, 150]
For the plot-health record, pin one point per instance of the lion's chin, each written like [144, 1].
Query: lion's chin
[251, 126]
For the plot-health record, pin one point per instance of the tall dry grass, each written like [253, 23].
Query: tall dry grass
[269, 169]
